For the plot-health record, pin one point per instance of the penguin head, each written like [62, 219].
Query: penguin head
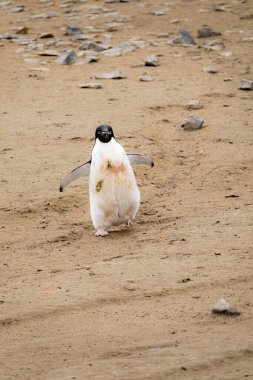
[104, 133]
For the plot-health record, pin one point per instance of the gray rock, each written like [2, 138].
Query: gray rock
[145, 78]
[44, 16]
[210, 69]
[91, 85]
[49, 53]
[194, 105]
[116, 74]
[223, 307]
[18, 8]
[205, 32]
[72, 29]
[192, 123]
[6, 36]
[46, 35]
[184, 38]
[151, 60]
[68, 58]
[213, 45]
[94, 46]
[246, 85]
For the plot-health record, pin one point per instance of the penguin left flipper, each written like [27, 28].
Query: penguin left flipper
[139, 159]
[79, 172]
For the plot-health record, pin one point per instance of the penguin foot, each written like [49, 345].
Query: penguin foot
[101, 232]
[129, 222]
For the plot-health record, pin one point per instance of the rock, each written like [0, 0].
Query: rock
[145, 78]
[6, 36]
[94, 46]
[205, 32]
[116, 74]
[160, 12]
[91, 59]
[116, 1]
[72, 29]
[151, 60]
[247, 39]
[18, 8]
[22, 30]
[44, 16]
[192, 123]
[194, 105]
[46, 35]
[210, 69]
[49, 53]
[220, 8]
[223, 307]
[91, 85]
[184, 38]
[113, 52]
[213, 45]
[246, 85]
[68, 58]
[227, 79]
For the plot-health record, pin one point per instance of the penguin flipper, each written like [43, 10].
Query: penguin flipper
[139, 159]
[79, 172]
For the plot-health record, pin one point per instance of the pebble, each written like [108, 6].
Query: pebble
[46, 35]
[72, 29]
[223, 307]
[116, 74]
[151, 60]
[22, 30]
[17, 9]
[6, 36]
[192, 123]
[184, 38]
[246, 85]
[210, 69]
[205, 32]
[91, 85]
[194, 105]
[68, 58]
[227, 79]
[145, 78]
[49, 53]
[91, 59]
[213, 45]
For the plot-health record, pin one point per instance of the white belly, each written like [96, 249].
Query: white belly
[114, 195]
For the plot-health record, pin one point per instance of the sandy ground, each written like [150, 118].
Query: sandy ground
[135, 305]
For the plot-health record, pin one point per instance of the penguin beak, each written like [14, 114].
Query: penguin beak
[106, 135]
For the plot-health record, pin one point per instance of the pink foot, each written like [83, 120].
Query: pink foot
[101, 232]
[129, 222]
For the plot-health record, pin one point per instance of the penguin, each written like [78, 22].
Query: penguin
[113, 191]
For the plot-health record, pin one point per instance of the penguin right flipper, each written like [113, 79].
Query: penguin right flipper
[79, 172]
[139, 159]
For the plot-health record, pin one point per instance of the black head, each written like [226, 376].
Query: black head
[104, 133]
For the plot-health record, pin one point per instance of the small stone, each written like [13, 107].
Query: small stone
[49, 53]
[205, 32]
[68, 58]
[91, 59]
[220, 8]
[185, 38]
[213, 45]
[22, 30]
[72, 29]
[227, 79]
[6, 36]
[192, 123]
[160, 12]
[210, 69]
[246, 85]
[194, 105]
[116, 74]
[151, 60]
[44, 16]
[91, 85]
[46, 35]
[223, 307]
[145, 78]
[18, 8]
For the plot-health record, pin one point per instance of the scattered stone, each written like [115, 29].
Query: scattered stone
[4, 4]
[68, 58]
[113, 52]
[220, 8]
[210, 69]
[145, 78]
[192, 123]
[44, 16]
[22, 30]
[49, 53]
[91, 59]
[246, 85]
[18, 8]
[227, 79]
[226, 54]
[116, 1]
[72, 29]
[223, 307]
[46, 35]
[160, 12]
[116, 74]
[91, 85]
[205, 32]
[174, 21]
[151, 60]
[247, 39]
[194, 105]
[184, 38]
[94, 46]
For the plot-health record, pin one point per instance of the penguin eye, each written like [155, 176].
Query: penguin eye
[99, 132]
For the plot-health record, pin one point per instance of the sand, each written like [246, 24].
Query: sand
[136, 304]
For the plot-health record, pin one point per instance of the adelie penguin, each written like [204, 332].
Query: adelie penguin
[114, 194]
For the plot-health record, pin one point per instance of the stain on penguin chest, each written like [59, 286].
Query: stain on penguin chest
[115, 174]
